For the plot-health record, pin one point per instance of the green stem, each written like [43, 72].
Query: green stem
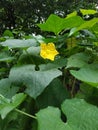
[24, 113]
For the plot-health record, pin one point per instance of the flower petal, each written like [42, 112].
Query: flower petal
[48, 51]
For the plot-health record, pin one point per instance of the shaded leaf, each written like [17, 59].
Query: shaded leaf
[5, 57]
[7, 105]
[53, 95]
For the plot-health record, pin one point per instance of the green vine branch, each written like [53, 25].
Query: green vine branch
[24, 113]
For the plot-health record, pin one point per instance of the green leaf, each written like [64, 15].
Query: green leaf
[10, 121]
[35, 81]
[31, 56]
[72, 22]
[88, 74]
[89, 11]
[95, 28]
[53, 95]
[85, 25]
[49, 119]
[80, 116]
[72, 14]
[56, 24]
[77, 60]
[5, 57]
[89, 93]
[53, 24]
[7, 89]
[8, 33]
[7, 105]
[88, 24]
[16, 43]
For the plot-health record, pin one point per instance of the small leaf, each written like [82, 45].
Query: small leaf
[72, 14]
[8, 33]
[89, 11]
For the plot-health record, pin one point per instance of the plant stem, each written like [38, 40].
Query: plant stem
[24, 113]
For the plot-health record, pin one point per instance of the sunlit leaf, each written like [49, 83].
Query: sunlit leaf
[56, 24]
[89, 11]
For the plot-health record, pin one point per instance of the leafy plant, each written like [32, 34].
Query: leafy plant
[51, 82]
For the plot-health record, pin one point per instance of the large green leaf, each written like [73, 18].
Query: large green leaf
[88, 74]
[16, 43]
[7, 105]
[56, 24]
[53, 24]
[80, 116]
[35, 81]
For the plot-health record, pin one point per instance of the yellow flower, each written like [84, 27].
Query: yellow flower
[48, 51]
